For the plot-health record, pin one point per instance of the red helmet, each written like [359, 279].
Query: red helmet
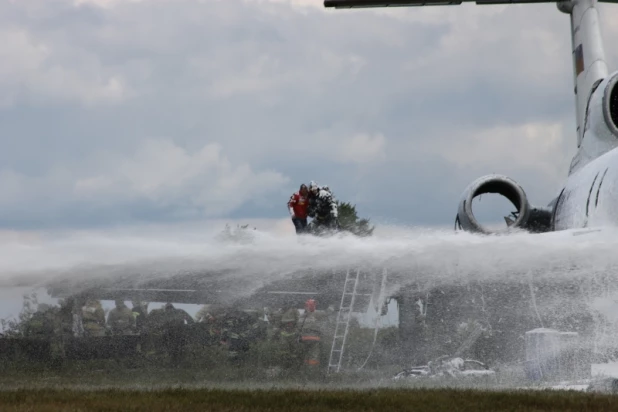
[310, 305]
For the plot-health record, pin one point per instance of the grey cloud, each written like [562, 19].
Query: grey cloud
[281, 91]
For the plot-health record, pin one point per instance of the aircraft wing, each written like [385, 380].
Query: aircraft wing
[349, 4]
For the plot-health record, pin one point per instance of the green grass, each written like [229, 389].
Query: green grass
[418, 400]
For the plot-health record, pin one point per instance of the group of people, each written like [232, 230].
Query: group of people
[124, 321]
[316, 202]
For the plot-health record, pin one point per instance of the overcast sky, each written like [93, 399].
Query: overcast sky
[116, 112]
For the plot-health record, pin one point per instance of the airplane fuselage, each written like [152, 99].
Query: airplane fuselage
[590, 192]
[589, 198]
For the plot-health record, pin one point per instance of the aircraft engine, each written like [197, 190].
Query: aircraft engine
[611, 103]
[602, 112]
[525, 217]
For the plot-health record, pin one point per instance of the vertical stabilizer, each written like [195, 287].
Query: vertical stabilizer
[589, 64]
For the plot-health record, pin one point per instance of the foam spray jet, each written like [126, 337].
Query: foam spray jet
[590, 193]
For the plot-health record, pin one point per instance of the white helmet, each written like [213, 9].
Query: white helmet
[313, 186]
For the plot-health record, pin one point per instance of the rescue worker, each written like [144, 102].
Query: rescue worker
[211, 316]
[297, 206]
[202, 315]
[323, 209]
[139, 312]
[274, 324]
[65, 316]
[93, 318]
[120, 319]
[64, 333]
[152, 332]
[174, 331]
[288, 340]
[310, 337]
[240, 328]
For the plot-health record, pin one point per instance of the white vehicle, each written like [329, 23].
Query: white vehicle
[590, 192]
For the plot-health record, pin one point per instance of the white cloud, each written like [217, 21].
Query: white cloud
[362, 148]
[105, 3]
[30, 71]
[160, 175]
[168, 175]
[314, 4]
[231, 74]
[284, 88]
[525, 145]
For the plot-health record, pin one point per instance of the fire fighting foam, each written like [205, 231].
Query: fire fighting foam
[255, 258]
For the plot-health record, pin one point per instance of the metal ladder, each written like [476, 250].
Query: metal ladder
[343, 322]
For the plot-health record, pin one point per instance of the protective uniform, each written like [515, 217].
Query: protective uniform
[323, 209]
[213, 316]
[274, 323]
[289, 356]
[297, 206]
[120, 319]
[140, 313]
[241, 329]
[174, 330]
[310, 337]
[93, 318]
[65, 318]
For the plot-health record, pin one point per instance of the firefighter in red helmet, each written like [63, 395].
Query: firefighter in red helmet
[310, 337]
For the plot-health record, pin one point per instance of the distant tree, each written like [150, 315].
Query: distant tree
[19, 326]
[350, 222]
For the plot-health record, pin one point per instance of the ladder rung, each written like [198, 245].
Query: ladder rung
[343, 319]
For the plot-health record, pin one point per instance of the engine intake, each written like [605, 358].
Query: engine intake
[611, 103]
[528, 218]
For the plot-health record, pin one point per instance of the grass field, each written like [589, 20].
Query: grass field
[418, 400]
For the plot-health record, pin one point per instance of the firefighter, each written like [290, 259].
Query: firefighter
[120, 319]
[140, 313]
[310, 337]
[297, 206]
[174, 337]
[288, 340]
[323, 209]
[240, 328]
[213, 316]
[93, 318]
[274, 324]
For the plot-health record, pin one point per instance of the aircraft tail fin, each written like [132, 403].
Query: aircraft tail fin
[589, 66]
